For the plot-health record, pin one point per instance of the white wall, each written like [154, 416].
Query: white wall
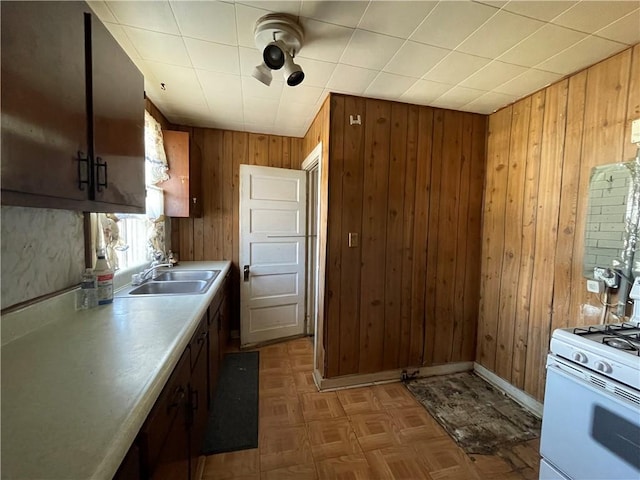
[42, 251]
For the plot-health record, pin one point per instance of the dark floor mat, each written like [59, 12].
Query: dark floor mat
[233, 423]
[480, 418]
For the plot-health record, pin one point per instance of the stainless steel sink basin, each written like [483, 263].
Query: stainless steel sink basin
[186, 275]
[171, 288]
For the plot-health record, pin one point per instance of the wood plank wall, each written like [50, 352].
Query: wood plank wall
[215, 235]
[540, 152]
[409, 182]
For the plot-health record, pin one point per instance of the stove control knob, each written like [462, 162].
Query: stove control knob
[580, 357]
[603, 367]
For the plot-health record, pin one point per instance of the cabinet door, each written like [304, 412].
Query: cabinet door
[44, 122]
[214, 360]
[182, 192]
[118, 123]
[198, 393]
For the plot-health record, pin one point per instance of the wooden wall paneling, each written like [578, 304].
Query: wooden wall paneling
[633, 103]
[463, 260]
[286, 152]
[395, 236]
[527, 247]
[447, 229]
[226, 196]
[407, 232]
[259, 149]
[240, 155]
[196, 135]
[332, 325]
[420, 230]
[296, 156]
[175, 235]
[373, 238]
[186, 238]
[493, 231]
[431, 271]
[566, 248]
[507, 319]
[473, 245]
[349, 150]
[275, 151]
[552, 154]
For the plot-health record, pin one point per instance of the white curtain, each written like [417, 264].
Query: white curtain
[156, 165]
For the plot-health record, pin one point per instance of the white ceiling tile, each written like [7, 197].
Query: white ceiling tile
[582, 54]
[246, 18]
[451, 22]
[489, 102]
[181, 83]
[389, 86]
[316, 73]
[370, 50]
[530, 81]
[457, 96]
[220, 89]
[324, 41]
[156, 16]
[493, 3]
[260, 110]
[102, 10]
[415, 59]
[590, 16]
[211, 21]
[343, 13]
[121, 37]
[493, 74]
[253, 88]
[407, 15]
[303, 94]
[423, 92]
[625, 30]
[213, 56]
[542, 44]
[542, 10]
[513, 28]
[289, 7]
[249, 59]
[350, 79]
[159, 47]
[292, 110]
[186, 109]
[228, 114]
[455, 67]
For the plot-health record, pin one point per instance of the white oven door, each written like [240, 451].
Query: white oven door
[589, 433]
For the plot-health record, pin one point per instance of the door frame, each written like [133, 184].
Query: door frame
[314, 161]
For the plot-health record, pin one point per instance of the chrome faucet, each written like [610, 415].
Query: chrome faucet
[149, 273]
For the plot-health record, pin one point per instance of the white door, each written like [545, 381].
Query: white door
[272, 253]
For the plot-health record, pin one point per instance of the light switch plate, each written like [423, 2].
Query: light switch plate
[595, 286]
[635, 131]
[353, 240]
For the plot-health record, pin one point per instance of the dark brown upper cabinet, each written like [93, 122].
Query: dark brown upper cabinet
[182, 192]
[72, 111]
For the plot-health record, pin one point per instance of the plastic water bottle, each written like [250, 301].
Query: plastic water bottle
[104, 279]
[88, 291]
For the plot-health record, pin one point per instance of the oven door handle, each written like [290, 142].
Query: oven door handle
[576, 375]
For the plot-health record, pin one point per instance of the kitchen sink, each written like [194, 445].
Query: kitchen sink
[171, 288]
[187, 275]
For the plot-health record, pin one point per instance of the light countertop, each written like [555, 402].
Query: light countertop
[78, 385]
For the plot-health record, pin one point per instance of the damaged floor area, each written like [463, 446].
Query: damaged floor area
[480, 418]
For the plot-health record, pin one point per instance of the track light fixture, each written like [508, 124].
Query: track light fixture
[279, 37]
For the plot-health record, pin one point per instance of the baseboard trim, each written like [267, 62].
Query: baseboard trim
[388, 376]
[521, 397]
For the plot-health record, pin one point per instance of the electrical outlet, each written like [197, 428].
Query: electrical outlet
[595, 286]
[606, 275]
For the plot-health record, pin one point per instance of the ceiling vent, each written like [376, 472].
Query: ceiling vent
[279, 37]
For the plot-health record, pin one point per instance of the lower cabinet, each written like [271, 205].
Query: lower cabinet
[170, 440]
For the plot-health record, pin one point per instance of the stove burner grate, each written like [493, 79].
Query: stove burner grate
[621, 343]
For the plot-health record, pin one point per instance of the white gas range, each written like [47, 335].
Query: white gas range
[591, 419]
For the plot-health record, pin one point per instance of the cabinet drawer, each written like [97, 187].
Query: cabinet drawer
[169, 408]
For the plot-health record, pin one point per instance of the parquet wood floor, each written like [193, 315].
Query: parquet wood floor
[370, 433]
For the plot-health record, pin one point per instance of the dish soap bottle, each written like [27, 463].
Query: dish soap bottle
[104, 278]
[88, 289]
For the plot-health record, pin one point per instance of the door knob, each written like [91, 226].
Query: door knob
[246, 273]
